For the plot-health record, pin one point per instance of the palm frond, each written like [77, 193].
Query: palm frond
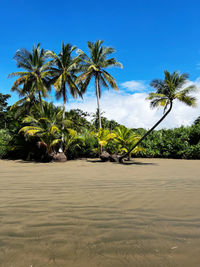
[188, 90]
[55, 142]
[29, 119]
[30, 130]
[188, 100]
[112, 82]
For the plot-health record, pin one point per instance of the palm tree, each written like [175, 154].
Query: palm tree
[63, 69]
[125, 139]
[103, 136]
[45, 125]
[23, 106]
[94, 66]
[167, 90]
[35, 79]
[72, 141]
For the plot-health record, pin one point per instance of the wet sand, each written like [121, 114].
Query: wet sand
[85, 213]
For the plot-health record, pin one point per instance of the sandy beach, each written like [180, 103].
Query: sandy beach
[87, 213]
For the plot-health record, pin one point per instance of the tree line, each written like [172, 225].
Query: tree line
[39, 130]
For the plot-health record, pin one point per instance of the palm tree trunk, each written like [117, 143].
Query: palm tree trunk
[98, 101]
[40, 99]
[63, 117]
[147, 133]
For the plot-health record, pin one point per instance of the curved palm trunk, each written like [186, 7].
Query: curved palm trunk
[147, 133]
[98, 101]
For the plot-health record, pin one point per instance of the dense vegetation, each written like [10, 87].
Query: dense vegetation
[34, 129]
[82, 136]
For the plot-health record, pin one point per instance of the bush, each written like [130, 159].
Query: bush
[5, 139]
[193, 152]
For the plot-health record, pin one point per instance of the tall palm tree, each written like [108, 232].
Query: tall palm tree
[167, 90]
[93, 66]
[35, 79]
[63, 70]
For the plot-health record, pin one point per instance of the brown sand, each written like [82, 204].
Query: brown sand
[84, 214]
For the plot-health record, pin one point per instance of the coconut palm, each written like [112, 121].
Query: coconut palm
[103, 136]
[52, 113]
[46, 125]
[63, 69]
[35, 80]
[72, 141]
[23, 106]
[167, 90]
[125, 139]
[93, 66]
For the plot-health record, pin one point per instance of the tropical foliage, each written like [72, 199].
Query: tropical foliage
[125, 139]
[35, 129]
[183, 142]
[45, 128]
[5, 138]
[103, 137]
[4, 117]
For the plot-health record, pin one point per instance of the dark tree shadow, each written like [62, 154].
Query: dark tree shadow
[131, 162]
[138, 163]
[95, 161]
[27, 161]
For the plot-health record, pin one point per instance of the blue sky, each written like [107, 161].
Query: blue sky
[149, 36]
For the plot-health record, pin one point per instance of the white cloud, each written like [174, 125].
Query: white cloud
[133, 110]
[134, 85]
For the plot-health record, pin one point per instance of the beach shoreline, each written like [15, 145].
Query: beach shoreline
[90, 213]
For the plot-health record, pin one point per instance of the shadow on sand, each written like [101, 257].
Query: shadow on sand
[131, 162]
[139, 163]
[27, 161]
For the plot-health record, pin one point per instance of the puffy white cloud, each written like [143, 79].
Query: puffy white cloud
[133, 110]
[134, 85]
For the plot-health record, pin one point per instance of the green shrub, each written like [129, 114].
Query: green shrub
[193, 152]
[5, 139]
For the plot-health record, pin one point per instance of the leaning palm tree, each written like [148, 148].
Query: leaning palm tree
[167, 90]
[94, 66]
[35, 79]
